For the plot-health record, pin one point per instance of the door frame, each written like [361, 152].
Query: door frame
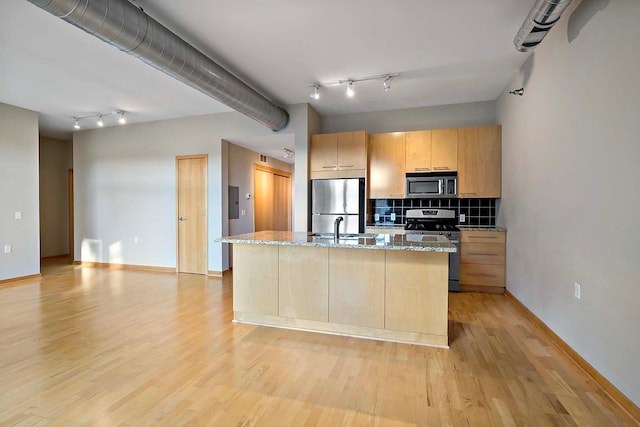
[70, 214]
[264, 168]
[206, 204]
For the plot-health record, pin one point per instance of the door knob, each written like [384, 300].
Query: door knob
[181, 218]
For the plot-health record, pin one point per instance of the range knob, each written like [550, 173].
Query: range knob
[438, 226]
[449, 234]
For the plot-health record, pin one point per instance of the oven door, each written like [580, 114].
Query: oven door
[423, 187]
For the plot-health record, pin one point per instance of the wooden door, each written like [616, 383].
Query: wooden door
[444, 149]
[191, 177]
[387, 165]
[418, 151]
[263, 200]
[271, 199]
[479, 161]
[352, 150]
[324, 152]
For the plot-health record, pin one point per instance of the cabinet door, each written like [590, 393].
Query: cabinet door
[352, 150]
[444, 150]
[387, 165]
[324, 152]
[255, 279]
[418, 151]
[479, 161]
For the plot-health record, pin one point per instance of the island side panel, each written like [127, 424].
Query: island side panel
[255, 279]
[417, 292]
[356, 287]
[304, 283]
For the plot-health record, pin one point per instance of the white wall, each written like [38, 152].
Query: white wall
[19, 192]
[241, 163]
[438, 117]
[125, 185]
[56, 158]
[571, 156]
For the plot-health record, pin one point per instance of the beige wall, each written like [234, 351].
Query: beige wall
[56, 158]
[241, 163]
[571, 150]
[19, 192]
[438, 117]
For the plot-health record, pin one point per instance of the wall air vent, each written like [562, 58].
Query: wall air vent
[543, 16]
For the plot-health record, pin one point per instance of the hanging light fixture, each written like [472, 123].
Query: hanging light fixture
[315, 94]
[121, 118]
[350, 91]
[76, 125]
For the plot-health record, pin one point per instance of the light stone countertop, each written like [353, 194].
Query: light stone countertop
[463, 228]
[396, 242]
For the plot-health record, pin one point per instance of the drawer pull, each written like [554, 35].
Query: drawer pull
[482, 237]
[444, 168]
[346, 166]
[468, 193]
[482, 274]
[421, 169]
[328, 167]
[481, 253]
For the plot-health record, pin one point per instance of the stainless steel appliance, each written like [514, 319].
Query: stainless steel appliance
[331, 198]
[438, 222]
[427, 186]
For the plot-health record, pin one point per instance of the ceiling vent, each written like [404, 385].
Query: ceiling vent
[127, 27]
[541, 19]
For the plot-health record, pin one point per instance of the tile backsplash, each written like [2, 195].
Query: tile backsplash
[478, 212]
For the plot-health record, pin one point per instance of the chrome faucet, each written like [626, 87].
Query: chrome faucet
[336, 227]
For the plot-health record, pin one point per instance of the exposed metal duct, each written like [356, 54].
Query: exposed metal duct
[541, 19]
[127, 27]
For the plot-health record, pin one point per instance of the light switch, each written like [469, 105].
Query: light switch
[18, 215]
[7, 249]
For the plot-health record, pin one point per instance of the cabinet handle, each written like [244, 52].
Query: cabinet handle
[482, 237]
[442, 168]
[482, 274]
[469, 193]
[420, 169]
[329, 167]
[483, 254]
[346, 166]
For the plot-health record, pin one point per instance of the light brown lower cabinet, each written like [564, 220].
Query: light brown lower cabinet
[482, 261]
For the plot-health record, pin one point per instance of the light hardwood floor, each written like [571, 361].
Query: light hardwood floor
[93, 346]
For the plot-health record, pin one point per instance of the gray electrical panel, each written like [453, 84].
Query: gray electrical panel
[234, 202]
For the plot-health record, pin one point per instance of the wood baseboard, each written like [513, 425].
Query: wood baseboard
[483, 289]
[616, 395]
[132, 267]
[18, 280]
[213, 273]
[63, 256]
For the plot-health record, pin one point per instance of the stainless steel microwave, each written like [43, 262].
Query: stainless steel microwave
[432, 186]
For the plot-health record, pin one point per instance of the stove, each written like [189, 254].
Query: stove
[438, 222]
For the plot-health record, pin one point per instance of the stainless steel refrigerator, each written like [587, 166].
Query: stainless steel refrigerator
[331, 198]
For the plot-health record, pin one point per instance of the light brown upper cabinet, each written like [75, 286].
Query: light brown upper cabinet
[479, 162]
[432, 150]
[387, 165]
[338, 155]
[444, 150]
[418, 151]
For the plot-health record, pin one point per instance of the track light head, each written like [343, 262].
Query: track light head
[350, 91]
[100, 121]
[76, 124]
[517, 91]
[315, 94]
[121, 119]
[386, 84]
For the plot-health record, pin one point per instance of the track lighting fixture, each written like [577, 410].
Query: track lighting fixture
[350, 91]
[386, 84]
[517, 91]
[315, 94]
[100, 122]
[288, 153]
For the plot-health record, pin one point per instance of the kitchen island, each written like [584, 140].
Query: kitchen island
[379, 286]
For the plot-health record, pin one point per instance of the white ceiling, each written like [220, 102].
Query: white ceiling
[446, 52]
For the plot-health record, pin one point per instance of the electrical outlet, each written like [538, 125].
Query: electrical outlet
[463, 218]
[18, 215]
[243, 212]
[393, 217]
[376, 217]
[135, 239]
[7, 249]
[577, 290]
